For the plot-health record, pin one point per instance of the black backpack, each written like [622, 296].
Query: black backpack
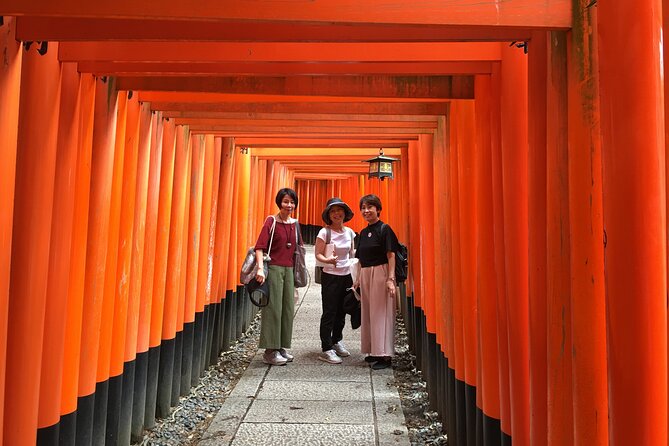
[401, 262]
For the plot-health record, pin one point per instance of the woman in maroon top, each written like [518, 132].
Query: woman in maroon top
[276, 326]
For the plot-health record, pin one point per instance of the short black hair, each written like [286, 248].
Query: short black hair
[285, 191]
[371, 200]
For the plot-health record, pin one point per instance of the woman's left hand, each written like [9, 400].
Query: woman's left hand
[390, 287]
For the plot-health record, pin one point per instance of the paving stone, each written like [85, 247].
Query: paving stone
[253, 434]
[328, 412]
[315, 391]
[320, 372]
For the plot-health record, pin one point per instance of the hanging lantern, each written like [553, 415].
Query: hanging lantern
[381, 166]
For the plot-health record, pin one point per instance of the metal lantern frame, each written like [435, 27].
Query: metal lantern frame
[381, 166]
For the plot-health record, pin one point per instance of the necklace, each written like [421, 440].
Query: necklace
[288, 228]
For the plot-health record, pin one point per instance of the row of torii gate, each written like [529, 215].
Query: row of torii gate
[141, 146]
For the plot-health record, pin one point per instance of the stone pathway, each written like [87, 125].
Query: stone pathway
[310, 402]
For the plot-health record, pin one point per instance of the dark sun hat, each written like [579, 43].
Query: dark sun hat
[336, 201]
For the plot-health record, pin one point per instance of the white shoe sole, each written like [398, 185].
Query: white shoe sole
[329, 361]
[343, 354]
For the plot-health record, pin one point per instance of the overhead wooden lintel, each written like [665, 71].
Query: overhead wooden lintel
[283, 68]
[170, 101]
[406, 88]
[34, 28]
[298, 116]
[180, 51]
[322, 143]
[547, 13]
[346, 153]
[304, 122]
[314, 130]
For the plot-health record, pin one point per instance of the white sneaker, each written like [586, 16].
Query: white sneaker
[273, 357]
[330, 356]
[340, 349]
[287, 356]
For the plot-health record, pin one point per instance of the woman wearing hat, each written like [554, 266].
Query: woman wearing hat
[376, 251]
[276, 326]
[336, 276]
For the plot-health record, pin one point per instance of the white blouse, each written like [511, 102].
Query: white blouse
[343, 243]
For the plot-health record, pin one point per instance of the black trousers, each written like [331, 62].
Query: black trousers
[332, 321]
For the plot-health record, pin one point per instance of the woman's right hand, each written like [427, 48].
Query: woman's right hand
[260, 276]
[356, 285]
[332, 259]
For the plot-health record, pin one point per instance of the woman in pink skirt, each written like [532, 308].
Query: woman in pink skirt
[375, 251]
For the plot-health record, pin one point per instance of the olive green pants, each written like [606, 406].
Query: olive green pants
[276, 325]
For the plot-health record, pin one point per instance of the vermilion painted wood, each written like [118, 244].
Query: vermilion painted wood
[200, 52]
[238, 116]
[102, 168]
[500, 248]
[33, 203]
[162, 231]
[206, 238]
[35, 28]
[488, 381]
[293, 121]
[442, 241]
[588, 306]
[458, 359]
[425, 194]
[389, 88]
[181, 297]
[634, 200]
[558, 283]
[441, 68]
[243, 235]
[75, 295]
[230, 166]
[413, 156]
[115, 198]
[537, 73]
[176, 242]
[195, 218]
[235, 242]
[403, 229]
[216, 230]
[151, 238]
[468, 224]
[210, 102]
[60, 248]
[551, 13]
[125, 239]
[141, 226]
[10, 81]
[514, 183]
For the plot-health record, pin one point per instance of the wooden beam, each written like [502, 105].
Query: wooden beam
[90, 29]
[321, 143]
[177, 51]
[282, 68]
[305, 123]
[199, 102]
[410, 88]
[233, 129]
[323, 140]
[546, 13]
[299, 116]
[356, 153]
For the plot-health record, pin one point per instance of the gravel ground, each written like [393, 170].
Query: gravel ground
[191, 418]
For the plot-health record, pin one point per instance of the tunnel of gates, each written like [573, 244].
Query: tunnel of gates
[531, 192]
